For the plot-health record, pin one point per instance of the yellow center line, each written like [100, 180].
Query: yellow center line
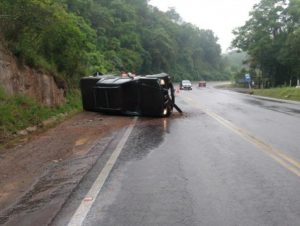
[276, 154]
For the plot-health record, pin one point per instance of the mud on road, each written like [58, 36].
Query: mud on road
[42, 173]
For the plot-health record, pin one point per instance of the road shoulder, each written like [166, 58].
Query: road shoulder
[46, 169]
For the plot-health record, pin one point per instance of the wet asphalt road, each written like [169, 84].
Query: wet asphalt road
[231, 159]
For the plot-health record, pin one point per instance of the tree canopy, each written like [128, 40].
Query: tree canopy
[77, 37]
[272, 39]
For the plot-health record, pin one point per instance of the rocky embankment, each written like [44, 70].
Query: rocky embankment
[20, 79]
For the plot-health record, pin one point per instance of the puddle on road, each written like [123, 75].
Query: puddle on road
[285, 109]
[296, 111]
[255, 102]
[147, 135]
[144, 138]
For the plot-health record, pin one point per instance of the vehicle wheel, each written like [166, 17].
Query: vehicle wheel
[170, 100]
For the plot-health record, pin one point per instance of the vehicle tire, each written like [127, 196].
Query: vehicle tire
[170, 101]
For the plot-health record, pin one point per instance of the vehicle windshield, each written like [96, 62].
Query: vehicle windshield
[186, 82]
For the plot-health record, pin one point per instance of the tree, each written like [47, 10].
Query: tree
[270, 37]
[72, 38]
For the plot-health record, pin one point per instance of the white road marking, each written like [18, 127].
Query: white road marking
[84, 208]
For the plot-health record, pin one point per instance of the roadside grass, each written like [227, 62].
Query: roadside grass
[19, 112]
[287, 93]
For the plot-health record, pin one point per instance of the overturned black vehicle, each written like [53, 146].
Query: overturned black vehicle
[150, 95]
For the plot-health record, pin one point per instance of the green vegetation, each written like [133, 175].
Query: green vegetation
[271, 37]
[73, 38]
[234, 62]
[280, 93]
[20, 112]
[285, 93]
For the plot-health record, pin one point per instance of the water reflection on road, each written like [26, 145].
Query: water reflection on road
[147, 135]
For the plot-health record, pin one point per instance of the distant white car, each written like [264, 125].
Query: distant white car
[185, 84]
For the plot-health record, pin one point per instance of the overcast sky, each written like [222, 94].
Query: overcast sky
[220, 16]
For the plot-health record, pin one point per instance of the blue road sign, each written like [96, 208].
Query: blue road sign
[247, 77]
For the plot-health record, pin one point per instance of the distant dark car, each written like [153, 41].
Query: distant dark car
[202, 84]
[185, 84]
[151, 95]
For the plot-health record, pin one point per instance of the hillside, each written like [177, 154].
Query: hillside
[19, 79]
[73, 38]
[48, 45]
